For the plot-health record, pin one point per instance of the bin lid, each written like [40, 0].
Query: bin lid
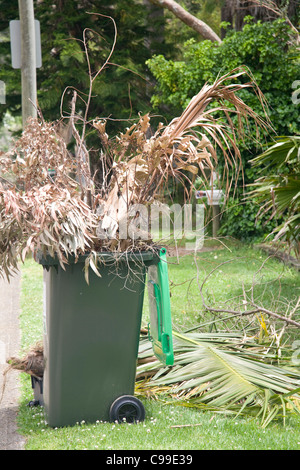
[160, 327]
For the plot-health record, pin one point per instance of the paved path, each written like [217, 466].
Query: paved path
[9, 346]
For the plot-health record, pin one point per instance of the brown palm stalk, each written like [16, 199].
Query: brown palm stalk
[187, 146]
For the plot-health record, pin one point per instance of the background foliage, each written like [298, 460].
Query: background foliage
[266, 50]
[123, 90]
[64, 64]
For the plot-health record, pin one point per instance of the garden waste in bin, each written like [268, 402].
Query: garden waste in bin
[91, 337]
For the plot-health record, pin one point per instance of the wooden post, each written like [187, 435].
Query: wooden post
[28, 55]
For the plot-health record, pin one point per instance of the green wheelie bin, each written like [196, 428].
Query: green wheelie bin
[91, 336]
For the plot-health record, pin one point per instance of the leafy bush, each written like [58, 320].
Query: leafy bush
[240, 221]
[262, 47]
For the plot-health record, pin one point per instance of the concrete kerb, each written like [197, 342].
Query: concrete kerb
[9, 346]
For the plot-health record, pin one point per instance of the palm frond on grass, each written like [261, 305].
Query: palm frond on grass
[221, 372]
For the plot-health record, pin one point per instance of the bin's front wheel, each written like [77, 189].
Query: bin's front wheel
[127, 409]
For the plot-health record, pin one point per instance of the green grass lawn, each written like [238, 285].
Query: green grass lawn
[164, 427]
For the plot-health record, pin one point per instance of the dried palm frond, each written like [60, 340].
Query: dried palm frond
[220, 372]
[188, 145]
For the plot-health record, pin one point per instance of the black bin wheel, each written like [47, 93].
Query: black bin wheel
[127, 408]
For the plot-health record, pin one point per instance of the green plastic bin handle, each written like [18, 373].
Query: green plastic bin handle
[162, 344]
[157, 303]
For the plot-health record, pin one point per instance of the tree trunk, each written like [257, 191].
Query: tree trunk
[155, 34]
[226, 16]
[199, 26]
